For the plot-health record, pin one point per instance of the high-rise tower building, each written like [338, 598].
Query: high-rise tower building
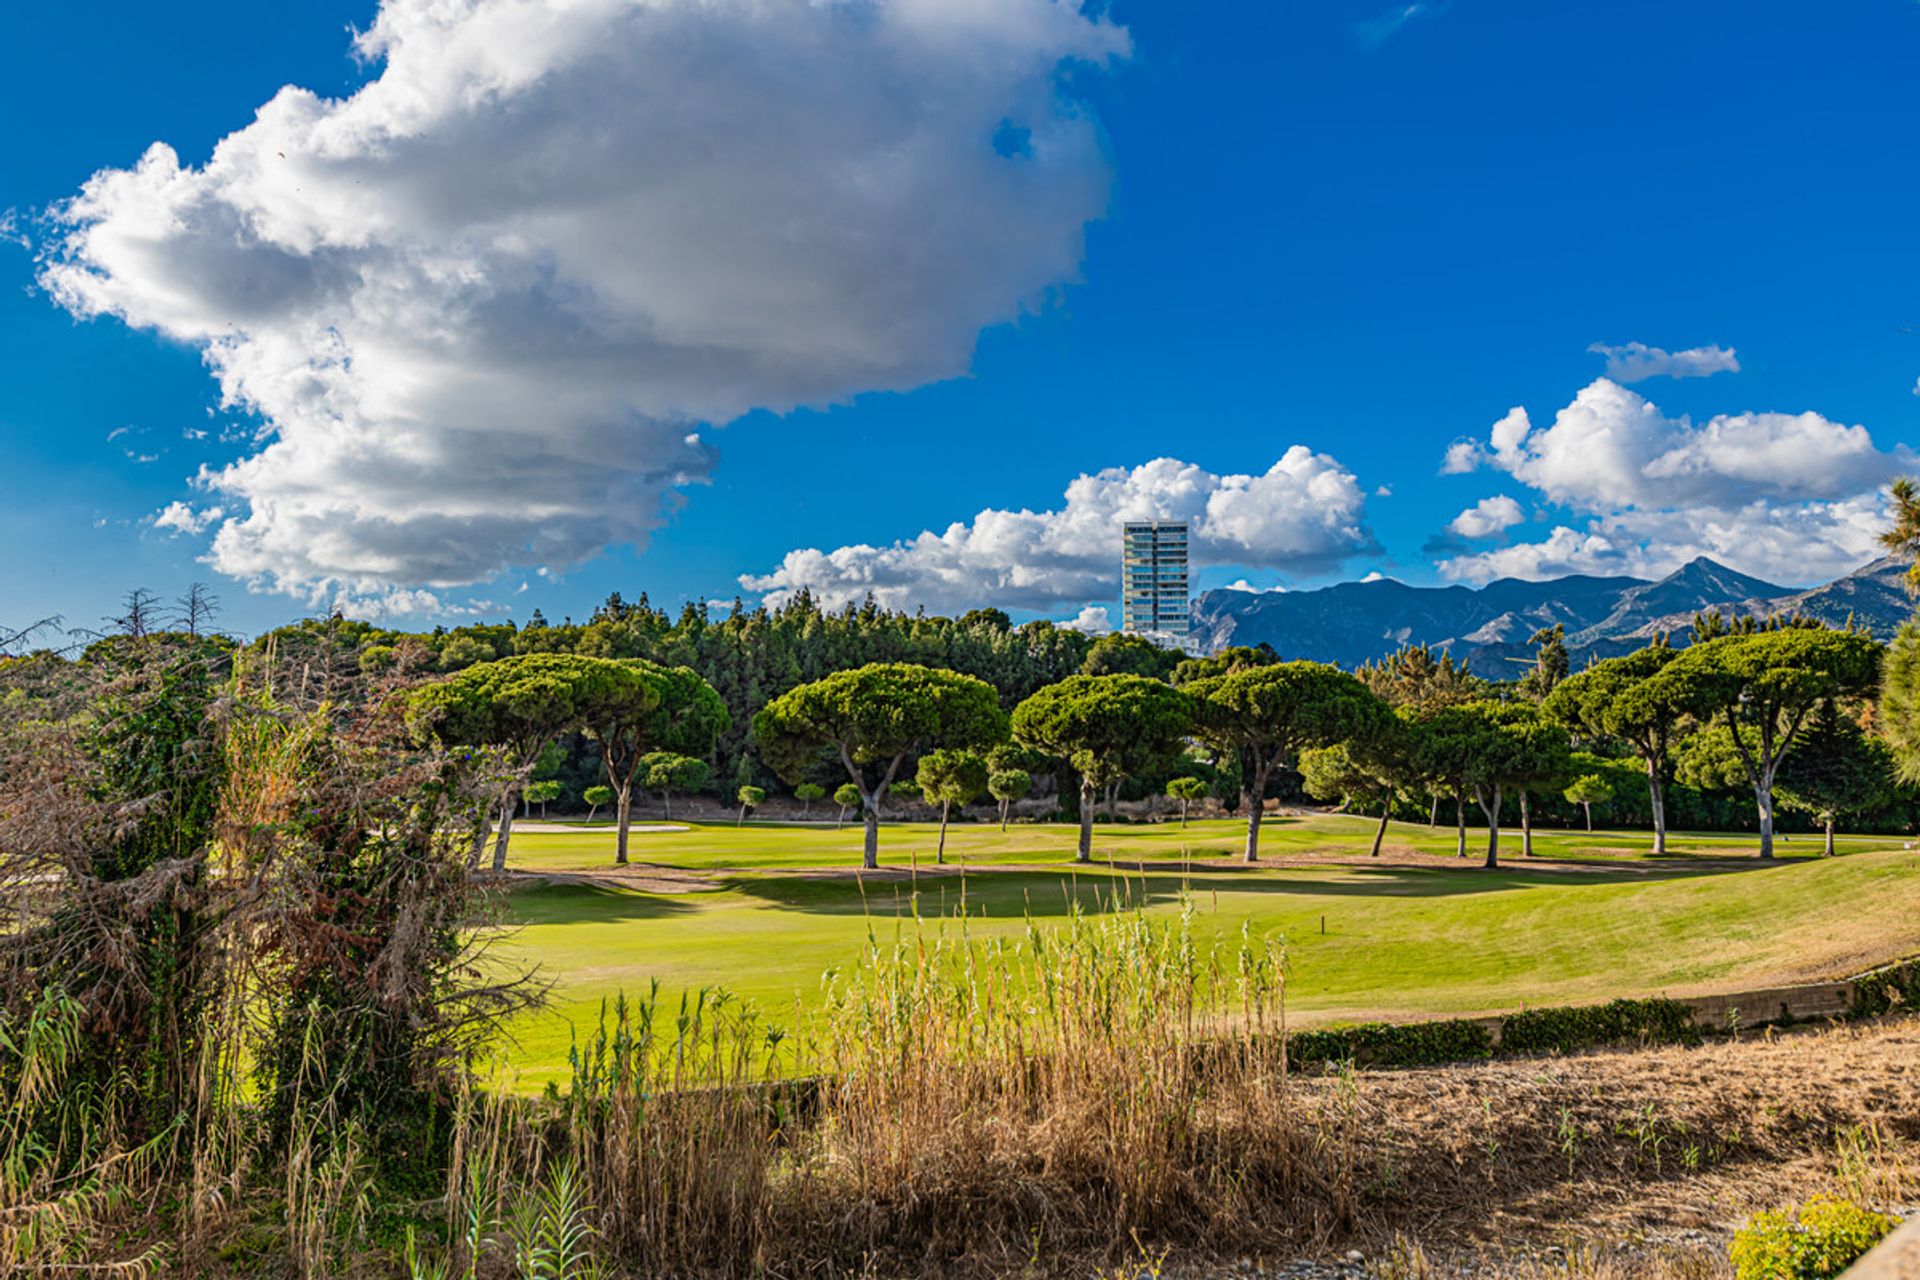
[1153, 577]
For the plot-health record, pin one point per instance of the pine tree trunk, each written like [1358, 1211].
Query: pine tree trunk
[1657, 789]
[500, 841]
[1460, 824]
[1433, 812]
[1829, 836]
[1492, 810]
[1763, 800]
[482, 829]
[940, 850]
[1004, 806]
[623, 819]
[1380, 832]
[871, 811]
[1588, 806]
[1526, 827]
[1256, 800]
[1088, 794]
[841, 821]
[1183, 814]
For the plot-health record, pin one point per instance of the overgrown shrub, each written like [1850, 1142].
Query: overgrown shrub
[1822, 1238]
[1572, 1028]
[1895, 987]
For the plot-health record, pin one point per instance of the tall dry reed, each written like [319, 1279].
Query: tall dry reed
[962, 1102]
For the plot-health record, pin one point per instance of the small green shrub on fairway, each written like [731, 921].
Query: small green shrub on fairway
[1822, 1238]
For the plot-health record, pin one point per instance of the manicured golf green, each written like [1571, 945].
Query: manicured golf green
[766, 911]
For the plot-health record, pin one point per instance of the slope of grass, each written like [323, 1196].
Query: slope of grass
[1390, 939]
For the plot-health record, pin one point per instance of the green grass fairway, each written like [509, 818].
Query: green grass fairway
[795, 845]
[773, 908]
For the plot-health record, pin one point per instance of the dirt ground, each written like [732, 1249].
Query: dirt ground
[1634, 1163]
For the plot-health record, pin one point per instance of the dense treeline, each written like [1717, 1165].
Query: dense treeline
[753, 656]
[750, 656]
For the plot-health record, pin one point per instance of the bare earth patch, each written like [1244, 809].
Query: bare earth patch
[1638, 1153]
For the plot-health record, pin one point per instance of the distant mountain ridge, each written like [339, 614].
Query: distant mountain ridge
[1487, 627]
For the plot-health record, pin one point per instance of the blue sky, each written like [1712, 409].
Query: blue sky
[1368, 231]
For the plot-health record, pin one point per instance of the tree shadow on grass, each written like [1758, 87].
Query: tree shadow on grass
[550, 904]
[1004, 895]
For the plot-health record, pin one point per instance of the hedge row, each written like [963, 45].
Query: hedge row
[1592, 1026]
[1561, 1030]
[1384, 1044]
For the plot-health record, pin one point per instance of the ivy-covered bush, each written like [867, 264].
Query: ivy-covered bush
[1895, 987]
[1822, 1238]
[1565, 1030]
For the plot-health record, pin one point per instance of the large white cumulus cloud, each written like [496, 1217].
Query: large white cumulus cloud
[1305, 514]
[1792, 497]
[483, 304]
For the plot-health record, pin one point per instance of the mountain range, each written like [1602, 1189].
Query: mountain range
[1488, 627]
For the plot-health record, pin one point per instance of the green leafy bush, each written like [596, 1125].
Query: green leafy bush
[1382, 1044]
[1823, 1238]
[1565, 1030]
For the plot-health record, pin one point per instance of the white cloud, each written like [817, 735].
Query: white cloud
[1241, 584]
[481, 302]
[1487, 517]
[1789, 544]
[1564, 551]
[1635, 361]
[1304, 514]
[181, 518]
[1612, 449]
[1376, 31]
[1790, 497]
[1461, 457]
[383, 606]
[1094, 620]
